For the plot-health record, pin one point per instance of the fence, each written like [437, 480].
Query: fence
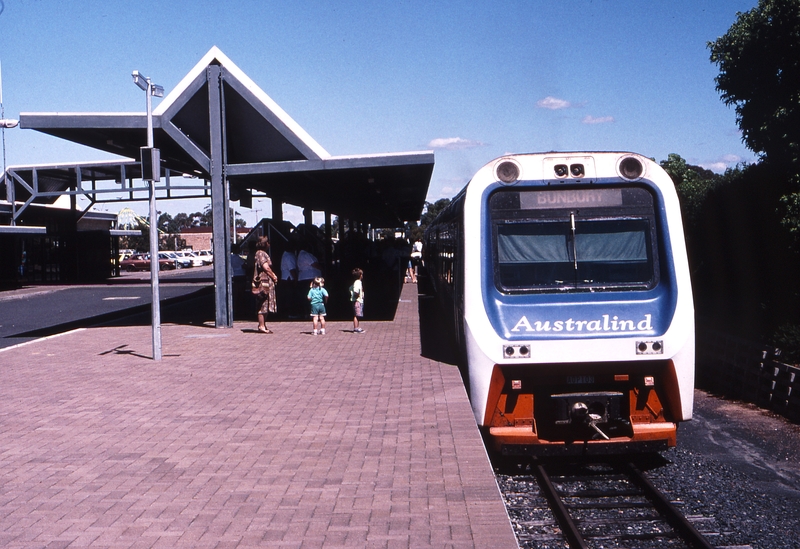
[746, 371]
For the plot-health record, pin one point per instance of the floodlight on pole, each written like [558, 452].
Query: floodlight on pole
[150, 90]
[7, 123]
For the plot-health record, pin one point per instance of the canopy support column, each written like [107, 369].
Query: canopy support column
[328, 242]
[277, 208]
[220, 207]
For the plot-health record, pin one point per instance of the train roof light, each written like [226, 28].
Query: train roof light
[507, 171]
[630, 168]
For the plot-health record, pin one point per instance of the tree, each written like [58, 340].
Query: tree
[202, 219]
[790, 205]
[431, 211]
[206, 218]
[759, 63]
[182, 221]
[693, 184]
[166, 224]
[169, 229]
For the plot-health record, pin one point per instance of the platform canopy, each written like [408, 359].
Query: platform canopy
[265, 151]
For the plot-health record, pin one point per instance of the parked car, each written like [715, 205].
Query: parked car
[179, 262]
[196, 261]
[141, 262]
[118, 261]
[206, 256]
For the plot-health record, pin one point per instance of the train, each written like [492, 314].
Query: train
[563, 281]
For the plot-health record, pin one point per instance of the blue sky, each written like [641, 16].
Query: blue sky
[469, 80]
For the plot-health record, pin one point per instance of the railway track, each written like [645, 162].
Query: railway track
[608, 504]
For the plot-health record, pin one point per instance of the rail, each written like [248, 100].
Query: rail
[603, 503]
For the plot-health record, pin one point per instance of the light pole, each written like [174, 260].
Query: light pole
[151, 172]
[7, 123]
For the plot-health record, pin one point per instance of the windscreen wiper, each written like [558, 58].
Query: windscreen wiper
[574, 242]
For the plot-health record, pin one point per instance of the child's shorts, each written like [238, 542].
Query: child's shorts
[358, 309]
[318, 309]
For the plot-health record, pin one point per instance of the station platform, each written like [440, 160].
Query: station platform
[240, 439]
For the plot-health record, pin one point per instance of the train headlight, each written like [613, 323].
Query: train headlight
[630, 168]
[507, 171]
[517, 351]
[561, 170]
[577, 170]
[650, 347]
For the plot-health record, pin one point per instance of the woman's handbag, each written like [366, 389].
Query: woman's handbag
[257, 287]
[261, 286]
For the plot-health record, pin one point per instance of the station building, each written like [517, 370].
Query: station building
[221, 138]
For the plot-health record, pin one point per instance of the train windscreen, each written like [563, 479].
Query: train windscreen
[556, 240]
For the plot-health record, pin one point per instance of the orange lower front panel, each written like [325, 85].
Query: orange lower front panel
[523, 441]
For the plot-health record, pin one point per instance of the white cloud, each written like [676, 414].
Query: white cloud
[597, 119]
[717, 167]
[553, 103]
[454, 143]
[725, 161]
[731, 158]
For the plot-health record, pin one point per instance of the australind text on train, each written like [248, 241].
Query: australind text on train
[606, 323]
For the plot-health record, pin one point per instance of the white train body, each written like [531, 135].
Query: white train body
[566, 279]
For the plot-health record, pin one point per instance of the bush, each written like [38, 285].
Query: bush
[787, 339]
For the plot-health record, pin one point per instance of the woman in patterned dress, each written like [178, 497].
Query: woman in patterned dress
[265, 301]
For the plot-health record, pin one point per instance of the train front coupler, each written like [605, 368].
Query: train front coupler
[588, 410]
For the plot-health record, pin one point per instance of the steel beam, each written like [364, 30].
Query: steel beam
[333, 163]
[219, 203]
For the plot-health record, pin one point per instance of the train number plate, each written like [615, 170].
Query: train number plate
[580, 380]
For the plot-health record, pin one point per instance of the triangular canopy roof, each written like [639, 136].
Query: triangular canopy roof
[265, 149]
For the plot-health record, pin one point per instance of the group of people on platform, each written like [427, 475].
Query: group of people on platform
[302, 273]
[301, 265]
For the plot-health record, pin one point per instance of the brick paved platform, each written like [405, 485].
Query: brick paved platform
[241, 439]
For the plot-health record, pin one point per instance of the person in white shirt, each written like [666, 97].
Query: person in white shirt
[357, 299]
[308, 268]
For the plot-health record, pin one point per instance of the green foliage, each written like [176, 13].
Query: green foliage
[759, 63]
[414, 231]
[139, 243]
[744, 271]
[170, 228]
[790, 208]
[693, 184]
[787, 339]
[745, 235]
[432, 209]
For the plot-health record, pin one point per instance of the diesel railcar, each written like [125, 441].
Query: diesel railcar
[564, 280]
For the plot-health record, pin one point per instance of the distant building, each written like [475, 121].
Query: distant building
[199, 238]
[73, 249]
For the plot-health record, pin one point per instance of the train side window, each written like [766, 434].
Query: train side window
[445, 253]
